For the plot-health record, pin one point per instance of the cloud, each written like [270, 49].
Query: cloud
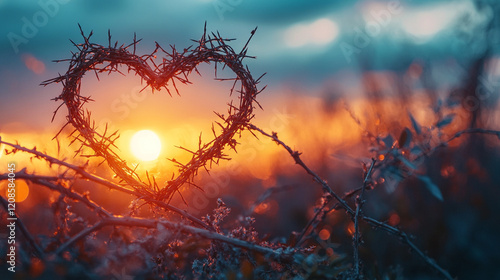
[283, 12]
[319, 32]
[33, 64]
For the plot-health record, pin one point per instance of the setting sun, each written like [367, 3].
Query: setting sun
[22, 190]
[145, 145]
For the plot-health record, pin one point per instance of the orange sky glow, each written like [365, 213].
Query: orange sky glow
[308, 124]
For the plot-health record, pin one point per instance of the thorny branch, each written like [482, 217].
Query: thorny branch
[464, 132]
[359, 205]
[174, 66]
[48, 181]
[343, 204]
[211, 48]
[31, 240]
[112, 220]
[80, 170]
[407, 240]
[296, 156]
[282, 255]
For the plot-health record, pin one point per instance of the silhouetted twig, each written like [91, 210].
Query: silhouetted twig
[359, 205]
[296, 156]
[19, 224]
[461, 133]
[343, 204]
[94, 178]
[276, 254]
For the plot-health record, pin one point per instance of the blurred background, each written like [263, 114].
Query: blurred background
[341, 75]
[325, 49]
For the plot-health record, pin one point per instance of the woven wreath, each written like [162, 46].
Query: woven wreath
[175, 66]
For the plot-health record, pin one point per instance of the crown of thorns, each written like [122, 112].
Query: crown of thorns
[175, 66]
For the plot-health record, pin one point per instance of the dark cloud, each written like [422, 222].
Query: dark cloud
[282, 11]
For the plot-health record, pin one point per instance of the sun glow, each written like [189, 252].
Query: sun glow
[145, 145]
[21, 190]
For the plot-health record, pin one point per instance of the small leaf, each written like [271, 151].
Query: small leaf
[433, 188]
[454, 99]
[408, 163]
[437, 108]
[417, 151]
[446, 120]
[405, 138]
[391, 182]
[388, 141]
[414, 123]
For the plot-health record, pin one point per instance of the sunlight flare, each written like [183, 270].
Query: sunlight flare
[145, 145]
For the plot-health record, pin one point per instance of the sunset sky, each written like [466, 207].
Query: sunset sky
[396, 97]
[298, 44]
[313, 55]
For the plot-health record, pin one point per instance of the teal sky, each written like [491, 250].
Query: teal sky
[300, 44]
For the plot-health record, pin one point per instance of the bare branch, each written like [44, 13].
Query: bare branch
[150, 223]
[94, 178]
[38, 251]
[343, 204]
[296, 156]
[359, 205]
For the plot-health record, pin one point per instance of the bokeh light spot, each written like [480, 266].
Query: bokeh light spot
[319, 32]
